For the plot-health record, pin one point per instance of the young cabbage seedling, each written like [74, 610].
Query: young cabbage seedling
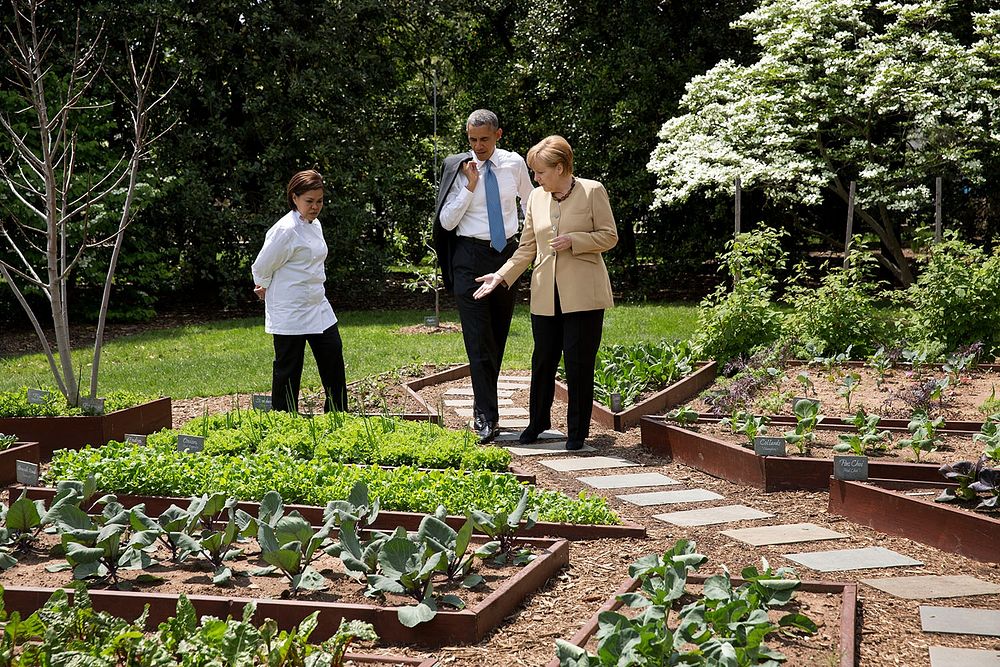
[807, 417]
[867, 437]
[848, 385]
[503, 529]
[924, 433]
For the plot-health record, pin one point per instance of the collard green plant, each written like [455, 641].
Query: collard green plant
[453, 544]
[747, 424]
[94, 545]
[407, 567]
[923, 433]
[989, 436]
[807, 417]
[881, 361]
[173, 529]
[848, 385]
[290, 544]
[683, 415]
[726, 625]
[504, 529]
[808, 386]
[20, 526]
[866, 438]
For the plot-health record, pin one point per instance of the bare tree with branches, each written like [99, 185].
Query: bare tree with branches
[40, 171]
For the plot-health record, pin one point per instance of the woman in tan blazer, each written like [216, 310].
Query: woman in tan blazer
[568, 224]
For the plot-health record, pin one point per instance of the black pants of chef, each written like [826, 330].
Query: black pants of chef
[576, 337]
[289, 352]
[486, 321]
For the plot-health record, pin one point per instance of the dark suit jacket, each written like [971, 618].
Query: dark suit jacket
[444, 240]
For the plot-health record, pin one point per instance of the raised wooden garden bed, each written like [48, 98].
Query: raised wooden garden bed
[19, 451]
[413, 387]
[770, 473]
[387, 520]
[848, 610]
[683, 390]
[54, 433]
[448, 627]
[679, 392]
[881, 504]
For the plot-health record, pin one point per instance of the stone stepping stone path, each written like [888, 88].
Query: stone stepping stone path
[513, 385]
[712, 515]
[670, 497]
[784, 534]
[540, 448]
[468, 402]
[943, 656]
[504, 412]
[841, 560]
[588, 463]
[551, 434]
[513, 422]
[467, 391]
[926, 587]
[639, 479]
[960, 620]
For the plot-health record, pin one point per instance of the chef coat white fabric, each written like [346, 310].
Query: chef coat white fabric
[290, 267]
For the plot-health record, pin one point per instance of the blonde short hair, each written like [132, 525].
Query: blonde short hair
[552, 151]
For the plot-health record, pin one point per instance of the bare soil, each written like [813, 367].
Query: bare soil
[968, 397]
[952, 447]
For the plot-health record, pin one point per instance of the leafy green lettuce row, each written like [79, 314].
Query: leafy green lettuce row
[159, 469]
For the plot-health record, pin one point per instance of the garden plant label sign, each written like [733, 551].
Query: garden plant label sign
[92, 406]
[27, 473]
[850, 467]
[135, 438]
[38, 396]
[261, 402]
[764, 446]
[190, 443]
[431, 321]
[616, 402]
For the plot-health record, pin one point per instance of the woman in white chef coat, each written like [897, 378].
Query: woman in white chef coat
[289, 276]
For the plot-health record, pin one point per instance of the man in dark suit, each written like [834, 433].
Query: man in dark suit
[475, 229]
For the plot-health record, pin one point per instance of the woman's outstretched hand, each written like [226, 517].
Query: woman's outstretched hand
[489, 283]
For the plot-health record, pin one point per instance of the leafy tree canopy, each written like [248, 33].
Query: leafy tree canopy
[886, 94]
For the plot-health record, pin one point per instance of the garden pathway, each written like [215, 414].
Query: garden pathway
[705, 511]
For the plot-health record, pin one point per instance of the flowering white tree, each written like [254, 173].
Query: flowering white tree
[882, 93]
[54, 85]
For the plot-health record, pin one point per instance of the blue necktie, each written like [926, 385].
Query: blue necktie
[498, 236]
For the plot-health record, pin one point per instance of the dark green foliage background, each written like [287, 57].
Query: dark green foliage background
[268, 87]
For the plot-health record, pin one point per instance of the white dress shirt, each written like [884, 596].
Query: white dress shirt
[290, 267]
[467, 210]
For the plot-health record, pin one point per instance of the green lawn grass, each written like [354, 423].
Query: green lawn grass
[232, 356]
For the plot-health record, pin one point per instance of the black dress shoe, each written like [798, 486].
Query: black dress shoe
[488, 432]
[573, 445]
[528, 436]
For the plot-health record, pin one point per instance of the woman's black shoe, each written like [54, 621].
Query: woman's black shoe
[528, 436]
[573, 445]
